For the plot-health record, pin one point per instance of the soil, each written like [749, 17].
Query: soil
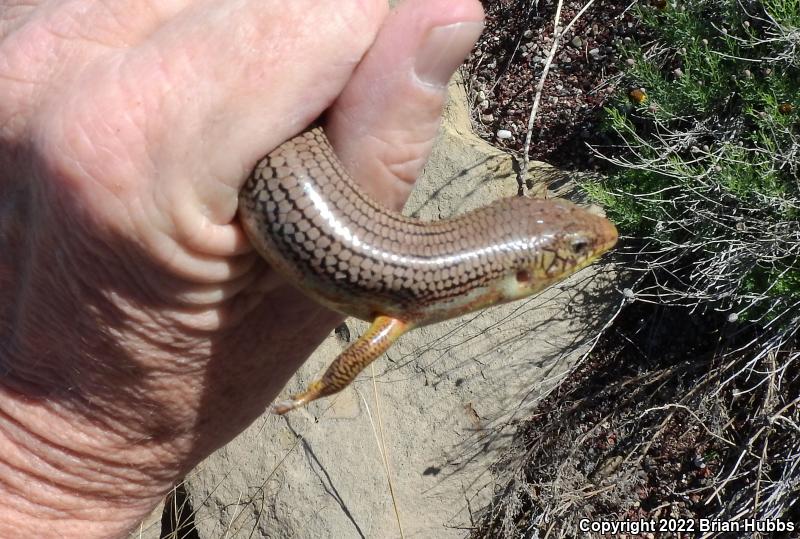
[507, 64]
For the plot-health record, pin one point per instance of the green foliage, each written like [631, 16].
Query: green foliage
[785, 12]
[708, 169]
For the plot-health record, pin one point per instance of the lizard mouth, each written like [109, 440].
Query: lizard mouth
[609, 236]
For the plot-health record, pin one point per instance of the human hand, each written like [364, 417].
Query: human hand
[138, 330]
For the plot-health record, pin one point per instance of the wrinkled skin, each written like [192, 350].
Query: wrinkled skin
[138, 330]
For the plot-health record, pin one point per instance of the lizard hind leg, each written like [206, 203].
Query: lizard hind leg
[344, 369]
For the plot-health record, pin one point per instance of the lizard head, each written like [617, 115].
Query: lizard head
[562, 238]
[531, 245]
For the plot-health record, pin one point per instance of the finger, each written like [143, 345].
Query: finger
[101, 25]
[266, 70]
[196, 104]
[384, 123]
[46, 46]
[248, 79]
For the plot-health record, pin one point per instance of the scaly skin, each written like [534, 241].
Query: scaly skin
[310, 220]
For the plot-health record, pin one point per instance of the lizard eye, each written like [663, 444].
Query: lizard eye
[579, 245]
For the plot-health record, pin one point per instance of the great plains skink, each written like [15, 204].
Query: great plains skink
[310, 220]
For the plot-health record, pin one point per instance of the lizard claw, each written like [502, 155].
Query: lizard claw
[286, 405]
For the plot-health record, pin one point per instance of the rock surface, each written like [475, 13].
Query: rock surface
[432, 414]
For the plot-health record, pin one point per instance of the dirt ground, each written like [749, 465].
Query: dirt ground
[507, 64]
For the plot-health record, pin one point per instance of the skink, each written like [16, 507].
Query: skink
[310, 220]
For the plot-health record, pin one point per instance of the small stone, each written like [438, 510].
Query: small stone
[630, 62]
[594, 53]
[503, 134]
[481, 96]
[704, 41]
[678, 72]
[343, 332]
[747, 74]
[576, 42]
[484, 104]
[733, 317]
[528, 34]
[488, 118]
[628, 293]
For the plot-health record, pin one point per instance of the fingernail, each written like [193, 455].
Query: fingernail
[443, 50]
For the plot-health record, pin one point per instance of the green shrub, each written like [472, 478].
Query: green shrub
[708, 172]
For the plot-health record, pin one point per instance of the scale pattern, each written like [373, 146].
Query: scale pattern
[312, 222]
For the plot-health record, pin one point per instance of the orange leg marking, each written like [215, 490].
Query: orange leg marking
[344, 369]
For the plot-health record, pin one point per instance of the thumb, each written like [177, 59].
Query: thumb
[384, 123]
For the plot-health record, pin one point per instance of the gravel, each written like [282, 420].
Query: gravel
[506, 66]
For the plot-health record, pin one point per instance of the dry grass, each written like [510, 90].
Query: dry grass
[651, 428]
